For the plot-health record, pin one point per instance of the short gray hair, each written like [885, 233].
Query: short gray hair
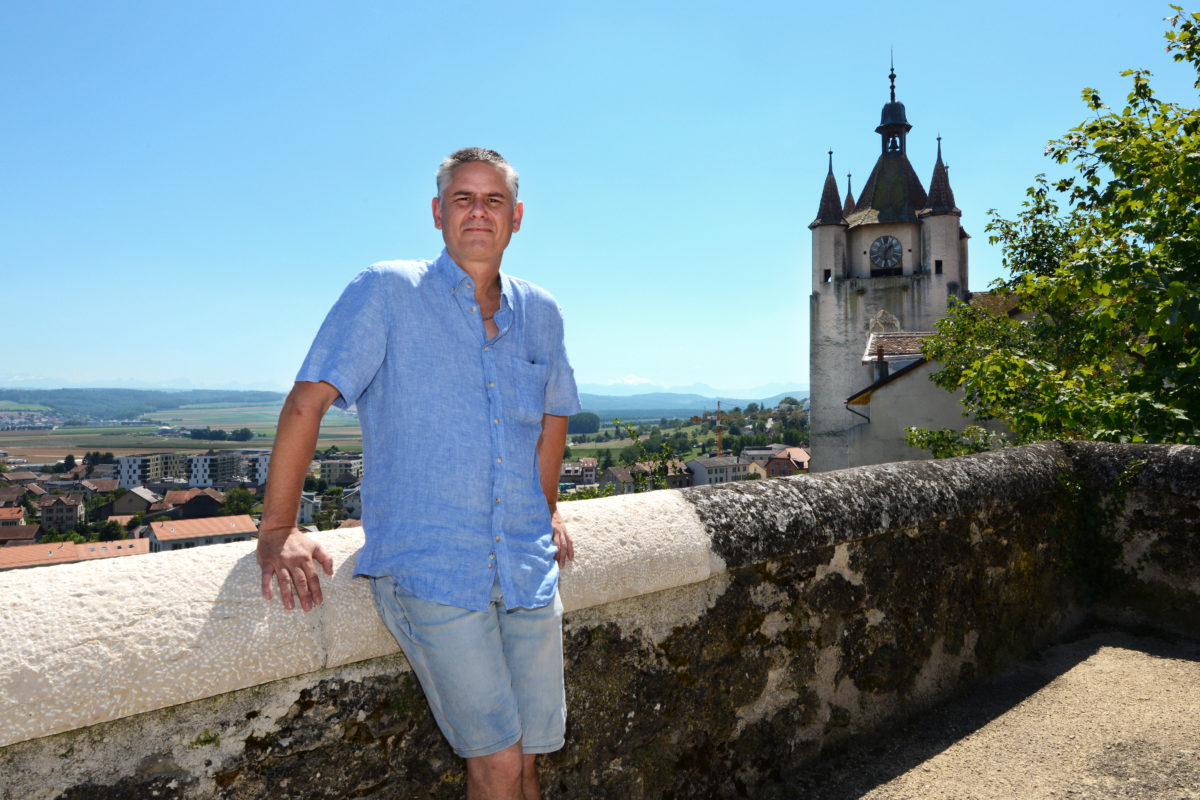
[466, 156]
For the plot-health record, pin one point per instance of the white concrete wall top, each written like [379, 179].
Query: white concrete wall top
[90, 642]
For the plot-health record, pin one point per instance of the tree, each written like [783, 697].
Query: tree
[69, 462]
[1105, 264]
[238, 501]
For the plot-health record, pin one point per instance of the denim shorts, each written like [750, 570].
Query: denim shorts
[492, 678]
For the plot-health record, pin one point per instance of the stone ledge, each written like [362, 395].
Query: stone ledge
[95, 641]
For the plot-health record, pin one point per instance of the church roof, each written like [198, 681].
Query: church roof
[893, 193]
[941, 196]
[830, 210]
[848, 208]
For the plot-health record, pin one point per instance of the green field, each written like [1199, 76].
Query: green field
[338, 428]
[11, 405]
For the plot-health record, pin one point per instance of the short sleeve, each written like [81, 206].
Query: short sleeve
[350, 346]
[562, 396]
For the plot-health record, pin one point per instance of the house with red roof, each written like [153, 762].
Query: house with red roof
[177, 534]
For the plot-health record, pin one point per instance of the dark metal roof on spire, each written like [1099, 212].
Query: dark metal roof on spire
[830, 210]
[893, 115]
[848, 208]
[893, 192]
[941, 197]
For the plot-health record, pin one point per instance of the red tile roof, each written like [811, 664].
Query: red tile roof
[205, 526]
[36, 555]
[16, 512]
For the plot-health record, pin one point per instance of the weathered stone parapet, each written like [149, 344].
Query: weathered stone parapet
[716, 638]
[90, 642]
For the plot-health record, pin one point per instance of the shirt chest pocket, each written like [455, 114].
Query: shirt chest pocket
[525, 392]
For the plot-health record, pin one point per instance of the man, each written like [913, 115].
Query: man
[463, 389]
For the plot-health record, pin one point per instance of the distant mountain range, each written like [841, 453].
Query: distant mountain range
[673, 404]
[114, 403]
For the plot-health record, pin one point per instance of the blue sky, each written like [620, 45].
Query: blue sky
[185, 187]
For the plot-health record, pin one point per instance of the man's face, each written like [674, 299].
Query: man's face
[476, 214]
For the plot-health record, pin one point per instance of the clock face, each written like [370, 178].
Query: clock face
[886, 251]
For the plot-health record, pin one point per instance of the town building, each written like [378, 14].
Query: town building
[14, 556]
[885, 268]
[137, 470]
[61, 512]
[137, 500]
[788, 461]
[194, 503]
[718, 469]
[580, 473]
[341, 471]
[641, 476]
[177, 534]
[257, 464]
[213, 467]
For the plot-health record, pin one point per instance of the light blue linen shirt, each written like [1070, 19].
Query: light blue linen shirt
[451, 491]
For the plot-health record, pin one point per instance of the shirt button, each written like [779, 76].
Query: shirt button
[495, 420]
[489, 565]
[491, 555]
[468, 284]
[497, 538]
[472, 308]
[497, 501]
[485, 347]
[498, 459]
[491, 383]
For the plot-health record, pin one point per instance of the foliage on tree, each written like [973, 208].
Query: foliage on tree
[583, 422]
[238, 501]
[1105, 266]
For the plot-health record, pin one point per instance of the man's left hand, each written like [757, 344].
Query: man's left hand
[562, 540]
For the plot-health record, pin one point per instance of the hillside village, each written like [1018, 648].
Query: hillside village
[103, 506]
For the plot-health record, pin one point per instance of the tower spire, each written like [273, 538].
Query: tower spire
[830, 210]
[941, 197]
[892, 74]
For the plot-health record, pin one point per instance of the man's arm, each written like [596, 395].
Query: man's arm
[285, 551]
[550, 450]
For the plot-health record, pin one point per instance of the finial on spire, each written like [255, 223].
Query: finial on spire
[848, 174]
[892, 74]
[939, 158]
[831, 162]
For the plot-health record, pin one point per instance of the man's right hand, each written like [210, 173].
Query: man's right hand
[288, 555]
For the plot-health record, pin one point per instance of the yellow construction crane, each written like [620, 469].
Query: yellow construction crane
[720, 431]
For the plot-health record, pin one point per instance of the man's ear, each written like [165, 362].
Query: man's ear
[437, 213]
[518, 212]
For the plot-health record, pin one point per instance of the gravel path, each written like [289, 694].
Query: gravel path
[1107, 715]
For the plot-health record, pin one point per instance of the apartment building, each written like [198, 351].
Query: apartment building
[137, 470]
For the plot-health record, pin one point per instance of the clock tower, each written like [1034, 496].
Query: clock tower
[890, 263]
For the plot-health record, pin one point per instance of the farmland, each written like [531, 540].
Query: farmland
[40, 446]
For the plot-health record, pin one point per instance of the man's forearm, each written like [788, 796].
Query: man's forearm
[550, 451]
[295, 442]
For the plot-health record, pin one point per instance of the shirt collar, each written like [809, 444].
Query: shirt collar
[454, 276]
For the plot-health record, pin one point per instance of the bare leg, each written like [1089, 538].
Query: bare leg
[496, 776]
[530, 785]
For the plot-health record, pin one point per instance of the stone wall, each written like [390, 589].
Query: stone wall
[717, 638]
